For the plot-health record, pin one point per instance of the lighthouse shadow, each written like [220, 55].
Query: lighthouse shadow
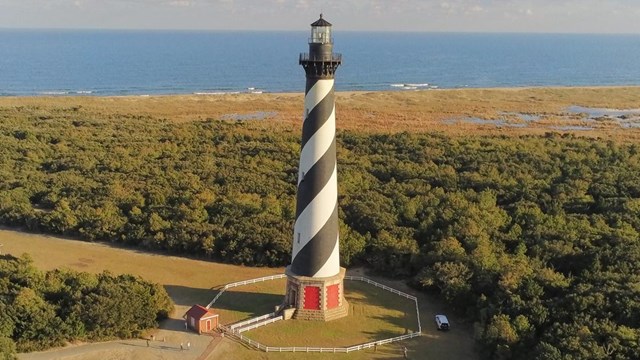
[188, 296]
[248, 304]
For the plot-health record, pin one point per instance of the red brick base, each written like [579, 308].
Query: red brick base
[319, 299]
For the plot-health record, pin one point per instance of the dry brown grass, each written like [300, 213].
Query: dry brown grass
[188, 281]
[420, 111]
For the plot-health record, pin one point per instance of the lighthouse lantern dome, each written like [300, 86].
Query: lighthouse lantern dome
[321, 32]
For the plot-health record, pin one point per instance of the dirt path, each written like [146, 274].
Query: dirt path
[212, 346]
[201, 347]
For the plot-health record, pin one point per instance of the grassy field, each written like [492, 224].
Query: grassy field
[374, 314]
[248, 301]
[187, 281]
[193, 281]
[422, 111]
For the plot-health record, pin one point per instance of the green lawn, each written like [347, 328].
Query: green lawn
[374, 314]
[244, 302]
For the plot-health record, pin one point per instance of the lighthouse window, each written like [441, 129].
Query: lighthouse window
[321, 34]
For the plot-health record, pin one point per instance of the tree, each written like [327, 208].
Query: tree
[62, 219]
[64, 305]
[36, 323]
[7, 349]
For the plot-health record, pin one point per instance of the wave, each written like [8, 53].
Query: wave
[413, 86]
[217, 93]
[65, 92]
[249, 90]
[54, 93]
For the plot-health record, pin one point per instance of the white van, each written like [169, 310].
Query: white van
[442, 322]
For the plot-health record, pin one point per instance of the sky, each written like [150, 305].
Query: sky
[548, 16]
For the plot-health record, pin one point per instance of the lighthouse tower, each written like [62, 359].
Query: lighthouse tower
[315, 278]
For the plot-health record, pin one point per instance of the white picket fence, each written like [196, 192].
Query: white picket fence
[309, 349]
[382, 286]
[236, 329]
[244, 339]
[340, 349]
[397, 292]
[259, 324]
[251, 321]
[242, 283]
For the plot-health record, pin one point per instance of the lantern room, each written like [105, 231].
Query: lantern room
[321, 32]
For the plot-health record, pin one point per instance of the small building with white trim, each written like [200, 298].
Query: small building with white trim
[201, 319]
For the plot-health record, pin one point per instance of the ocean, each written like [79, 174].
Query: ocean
[85, 62]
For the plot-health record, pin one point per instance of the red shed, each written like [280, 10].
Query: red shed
[201, 319]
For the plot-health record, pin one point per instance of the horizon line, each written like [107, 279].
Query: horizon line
[293, 31]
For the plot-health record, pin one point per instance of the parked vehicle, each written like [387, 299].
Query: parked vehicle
[442, 322]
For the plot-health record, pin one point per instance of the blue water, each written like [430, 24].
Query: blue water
[36, 62]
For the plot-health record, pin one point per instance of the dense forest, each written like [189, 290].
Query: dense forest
[39, 310]
[535, 238]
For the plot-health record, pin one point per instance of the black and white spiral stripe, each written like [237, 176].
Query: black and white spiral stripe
[316, 239]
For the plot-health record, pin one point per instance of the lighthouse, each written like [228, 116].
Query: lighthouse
[314, 278]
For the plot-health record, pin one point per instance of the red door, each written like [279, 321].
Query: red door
[333, 296]
[312, 297]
